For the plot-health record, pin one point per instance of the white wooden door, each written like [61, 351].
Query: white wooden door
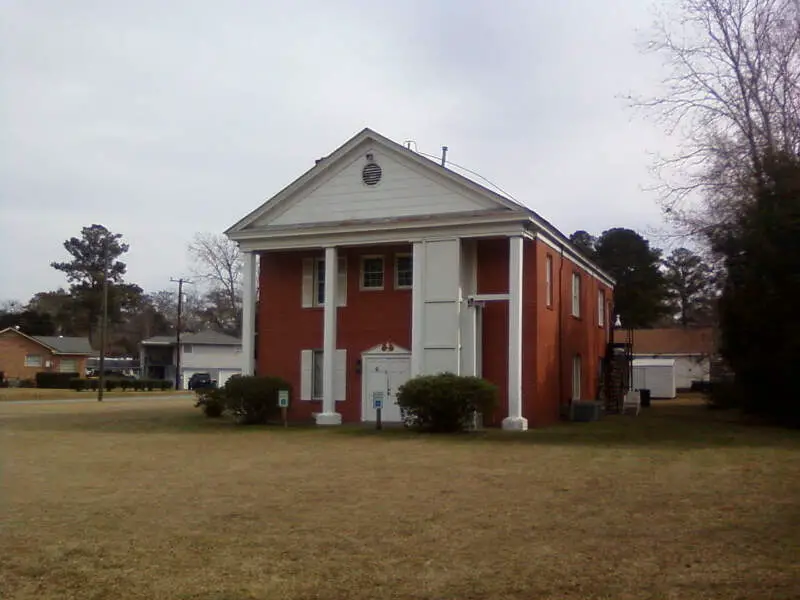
[384, 374]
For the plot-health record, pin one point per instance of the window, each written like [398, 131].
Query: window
[68, 365]
[576, 377]
[33, 360]
[601, 308]
[576, 294]
[316, 370]
[372, 273]
[187, 349]
[548, 274]
[313, 288]
[403, 271]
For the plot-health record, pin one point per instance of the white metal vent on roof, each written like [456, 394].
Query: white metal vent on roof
[371, 173]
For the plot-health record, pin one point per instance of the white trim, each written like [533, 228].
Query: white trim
[548, 280]
[417, 307]
[362, 260]
[397, 257]
[329, 415]
[577, 294]
[515, 420]
[488, 297]
[249, 275]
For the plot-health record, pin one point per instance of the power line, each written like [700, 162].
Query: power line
[491, 183]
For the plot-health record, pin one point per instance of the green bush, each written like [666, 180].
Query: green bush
[445, 403]
[94, 384]
[124, 384]
[48, 380]
[211, 401]
[111, 384]
[78, 384]
[136, 384]
[27, 383]
[252, 399]
[165, 385]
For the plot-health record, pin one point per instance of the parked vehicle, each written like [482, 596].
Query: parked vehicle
[201, 380]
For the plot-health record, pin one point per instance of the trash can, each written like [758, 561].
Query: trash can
[645, 397]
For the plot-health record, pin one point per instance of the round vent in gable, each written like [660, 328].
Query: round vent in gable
[371, 174]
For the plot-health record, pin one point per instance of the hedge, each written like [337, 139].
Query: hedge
[50, 380]
[78, 384]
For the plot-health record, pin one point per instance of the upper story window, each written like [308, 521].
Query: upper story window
[548, 275]
[601, 308]
[576, 294]
[403, 271]
[187, 349]
[313, 287]
[319, 282]
[372, 274]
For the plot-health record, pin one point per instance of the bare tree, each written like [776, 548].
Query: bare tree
[218, 263]
[732, 94]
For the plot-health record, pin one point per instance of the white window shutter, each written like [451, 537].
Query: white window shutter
[341, 283]
[306, 374]
[308, 283]
[340, 375]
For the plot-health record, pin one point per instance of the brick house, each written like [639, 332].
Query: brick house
[22, 356]
[378, 265]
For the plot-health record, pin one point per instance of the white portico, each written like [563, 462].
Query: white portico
[372, 191]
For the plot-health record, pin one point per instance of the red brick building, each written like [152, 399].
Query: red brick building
[22, 356]
[378, 265]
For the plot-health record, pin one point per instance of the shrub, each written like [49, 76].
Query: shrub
[94, 384]
[48, 380]
[124, 384]
[27, 383]
[211, 401]
[136, 384]
[724, 394]
[78, 384]
[111, 384]
[149, 384]
[165, 385]
[446, 402]
[253, 399]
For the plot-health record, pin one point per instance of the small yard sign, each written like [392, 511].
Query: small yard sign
[377, 400]
[283, 398]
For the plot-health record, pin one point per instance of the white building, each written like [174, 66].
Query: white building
[210, 352]
[691, 349]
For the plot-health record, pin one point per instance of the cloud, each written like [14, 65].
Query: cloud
[159, 120]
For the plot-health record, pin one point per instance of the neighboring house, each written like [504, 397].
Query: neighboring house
[22, 355]
[378, 265]
[204, 352]
[692, 350]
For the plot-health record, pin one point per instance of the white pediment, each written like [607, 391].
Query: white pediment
[397, 184]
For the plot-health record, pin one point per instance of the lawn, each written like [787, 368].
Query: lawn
[150, 500]
[11, 394]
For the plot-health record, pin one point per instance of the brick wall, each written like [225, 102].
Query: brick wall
[13, 349]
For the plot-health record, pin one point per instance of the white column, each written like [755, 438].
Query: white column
[248, 313]
[417, 309]
[329, 416]
[515, 420]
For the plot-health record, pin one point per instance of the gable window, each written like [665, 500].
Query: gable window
[372, 273]
[576, 294]
[548, 275]
[601, 308]
[403, 271]
[33, 360]
[576, 377]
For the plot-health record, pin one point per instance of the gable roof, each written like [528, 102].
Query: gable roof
[500, 203]
[673, 341]
[58, 344]
[208, 337]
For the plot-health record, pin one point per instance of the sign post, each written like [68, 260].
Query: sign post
[377, 404]
[283, 402]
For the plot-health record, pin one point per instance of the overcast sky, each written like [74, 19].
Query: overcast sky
[161, 119]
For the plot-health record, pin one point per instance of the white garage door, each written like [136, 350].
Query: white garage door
[225, 374]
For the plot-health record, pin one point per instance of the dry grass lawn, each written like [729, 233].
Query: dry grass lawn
[151, 500]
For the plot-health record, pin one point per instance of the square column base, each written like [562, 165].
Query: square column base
[515, 424]
[328, 418]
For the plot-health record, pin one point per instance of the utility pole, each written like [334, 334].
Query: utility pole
[180, 281]
[103, 325]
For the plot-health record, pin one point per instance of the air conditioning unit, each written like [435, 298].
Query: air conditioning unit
[585, 410]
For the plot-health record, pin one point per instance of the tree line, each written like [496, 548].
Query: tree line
[212, 302]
